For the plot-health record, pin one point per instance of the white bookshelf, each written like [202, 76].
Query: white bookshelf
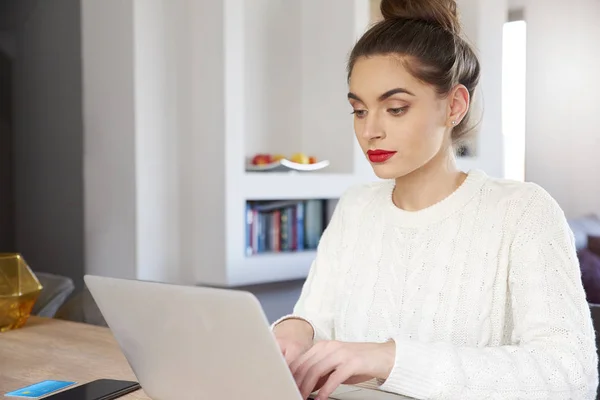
[288, 186]
[283, 75]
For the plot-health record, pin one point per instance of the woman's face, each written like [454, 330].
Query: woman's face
[400, 122]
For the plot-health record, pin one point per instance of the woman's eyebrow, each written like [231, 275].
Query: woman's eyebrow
[384, 96]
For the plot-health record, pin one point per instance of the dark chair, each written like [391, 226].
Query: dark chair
[82, 308]
[56, 290]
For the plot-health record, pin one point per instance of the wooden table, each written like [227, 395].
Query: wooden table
[61, 350]
[54, 349]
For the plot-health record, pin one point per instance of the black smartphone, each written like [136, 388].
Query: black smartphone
[102, 389]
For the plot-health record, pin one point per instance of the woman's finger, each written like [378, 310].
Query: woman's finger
[301, 359]
[339, 376]
[302, 370]
[319, 349]
[321, 369]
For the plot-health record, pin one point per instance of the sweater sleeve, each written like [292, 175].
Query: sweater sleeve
[317, 304]
[552, 354]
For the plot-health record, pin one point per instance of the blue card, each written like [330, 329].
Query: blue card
[39, 389]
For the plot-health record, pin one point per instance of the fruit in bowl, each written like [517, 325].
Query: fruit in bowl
[300, 158]
[262, 159]
[266, 159]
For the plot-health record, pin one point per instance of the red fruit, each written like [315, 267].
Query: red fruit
[262, 159]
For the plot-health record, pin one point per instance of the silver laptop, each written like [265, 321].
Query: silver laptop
[186, 342]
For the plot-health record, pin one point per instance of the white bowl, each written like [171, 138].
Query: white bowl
[287, 165]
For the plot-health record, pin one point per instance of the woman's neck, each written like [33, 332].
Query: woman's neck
[429, 184]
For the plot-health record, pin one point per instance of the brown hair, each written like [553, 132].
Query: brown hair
[427, 35]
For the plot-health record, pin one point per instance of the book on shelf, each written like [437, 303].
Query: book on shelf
[285, 226]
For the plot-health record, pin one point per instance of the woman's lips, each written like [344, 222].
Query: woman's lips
[380, 156]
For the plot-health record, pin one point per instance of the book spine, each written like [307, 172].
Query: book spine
[249, 223]
[268, 232]
[290, 228]
[277, 230]
[262, 232]
[300, 226]
[284, 231]
[255, 227]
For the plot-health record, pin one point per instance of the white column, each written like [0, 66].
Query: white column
[157, 134]
[109, 138]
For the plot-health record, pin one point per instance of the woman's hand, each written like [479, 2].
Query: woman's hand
[329, 364]
[295, 337]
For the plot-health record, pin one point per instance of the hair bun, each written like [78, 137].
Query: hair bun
[440, 12]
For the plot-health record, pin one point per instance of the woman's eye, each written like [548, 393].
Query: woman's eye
[397, 111]
[360, 113]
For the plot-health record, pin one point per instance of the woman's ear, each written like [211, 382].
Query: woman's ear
[458, 105]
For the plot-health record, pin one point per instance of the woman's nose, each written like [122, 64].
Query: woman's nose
[372, 129]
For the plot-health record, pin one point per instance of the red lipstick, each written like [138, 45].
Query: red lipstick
[380, 156]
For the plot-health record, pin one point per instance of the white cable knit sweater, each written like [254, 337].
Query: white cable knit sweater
[481, 292]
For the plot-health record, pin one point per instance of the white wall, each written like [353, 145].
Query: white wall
[563, 123]
[110, 127]
[328, 35]
[273, 76]
[48, 136]
[217, 53]
[157, 131]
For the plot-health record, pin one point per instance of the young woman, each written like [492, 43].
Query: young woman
[439, 284]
